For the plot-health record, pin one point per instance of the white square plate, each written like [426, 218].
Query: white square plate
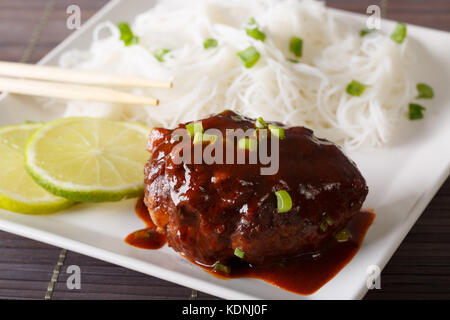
[402, 180]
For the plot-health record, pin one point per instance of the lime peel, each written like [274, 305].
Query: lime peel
[19, 193]
[115, 148]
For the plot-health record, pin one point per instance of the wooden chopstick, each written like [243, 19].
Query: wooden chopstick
[39, 72]
[72, 91]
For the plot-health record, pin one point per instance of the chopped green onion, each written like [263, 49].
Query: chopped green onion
[253, 31]
[256, 34]
[328, 220]
[292, 60]
[415, 111]
[260, 123]
[296, 46]
[194, 127]
[210, 43]
[200, 137]
[365, 32]
[425, 91]
[277, 131]
[356, 88]
[325, 222]
[284, 201]
[160, 53]
[342, 235]
[222, 268]
[249, 56]
[323, 226]
[239, 253]
[399, 33]
[126, 34]
[247, 143]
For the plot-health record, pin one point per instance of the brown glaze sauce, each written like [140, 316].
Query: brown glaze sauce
[207, 210]
[304, 274]
[147, 238]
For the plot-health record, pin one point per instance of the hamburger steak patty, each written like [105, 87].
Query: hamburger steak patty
[207, 211]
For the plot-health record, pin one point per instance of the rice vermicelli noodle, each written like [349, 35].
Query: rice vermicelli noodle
[311, 92]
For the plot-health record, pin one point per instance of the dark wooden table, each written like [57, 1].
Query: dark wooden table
[420, 268]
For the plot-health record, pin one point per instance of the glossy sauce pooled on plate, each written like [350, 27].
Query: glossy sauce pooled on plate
[147, 238]
[304, 274]
[216, 213]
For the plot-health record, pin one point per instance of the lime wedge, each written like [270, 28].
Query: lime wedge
[18, 191]
[89, 160]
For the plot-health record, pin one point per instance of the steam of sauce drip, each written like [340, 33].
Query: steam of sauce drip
[302, 275]
[147, 238]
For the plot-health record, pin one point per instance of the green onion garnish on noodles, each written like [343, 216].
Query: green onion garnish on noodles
[416, 111]
[126, 34]
[249, 56]
[365, 32]
[399, 33]
[256, 34]
[160, 53]
[194, 127]
[284, 201]
[260, 123]
[222, 268]
[239, 253]
[277, 131]
[296, 46]
[253, 31]
[425, 91]
[210, 43]
[356, 88]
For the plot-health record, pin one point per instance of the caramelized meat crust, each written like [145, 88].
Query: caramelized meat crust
[208, 210]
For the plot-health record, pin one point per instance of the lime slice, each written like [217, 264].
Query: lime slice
[89, 160]
[18, 191]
